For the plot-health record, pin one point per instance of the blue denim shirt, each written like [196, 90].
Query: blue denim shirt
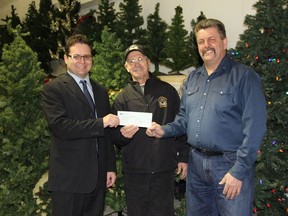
[225, 112]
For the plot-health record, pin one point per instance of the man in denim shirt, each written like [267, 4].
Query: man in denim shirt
[223, 112]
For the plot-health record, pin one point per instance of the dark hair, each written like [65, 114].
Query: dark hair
[208, 23]
[74, 39]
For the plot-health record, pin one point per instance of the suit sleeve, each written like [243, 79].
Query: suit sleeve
[111, 159]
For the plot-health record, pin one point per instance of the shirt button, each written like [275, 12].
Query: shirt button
[198, 121]
[205, 93]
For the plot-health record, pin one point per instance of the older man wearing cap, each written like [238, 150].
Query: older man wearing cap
[149, 164]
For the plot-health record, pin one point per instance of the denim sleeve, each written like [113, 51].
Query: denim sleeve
[254, 124]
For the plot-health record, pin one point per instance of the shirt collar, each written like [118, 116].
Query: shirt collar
[224, 64]
[78, 79]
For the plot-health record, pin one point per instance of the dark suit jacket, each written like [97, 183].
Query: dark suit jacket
[75, 165]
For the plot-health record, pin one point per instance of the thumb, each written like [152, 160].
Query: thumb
[222, 181]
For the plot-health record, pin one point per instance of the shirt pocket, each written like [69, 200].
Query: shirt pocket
[191, 98]
[223, 97]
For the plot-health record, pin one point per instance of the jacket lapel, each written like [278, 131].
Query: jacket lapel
[74, 88]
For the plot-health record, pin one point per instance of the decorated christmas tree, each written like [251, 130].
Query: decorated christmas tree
[63, 23]
[87, 25]
[23, 129]
[264, 46]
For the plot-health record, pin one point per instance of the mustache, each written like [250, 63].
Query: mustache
[208, 49]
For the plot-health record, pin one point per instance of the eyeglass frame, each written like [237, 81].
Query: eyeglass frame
[77, 57]
[137, 60]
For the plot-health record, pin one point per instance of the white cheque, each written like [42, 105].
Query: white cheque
[141, 119]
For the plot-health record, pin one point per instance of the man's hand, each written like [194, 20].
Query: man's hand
[128, 131]
[111, 179]
[232, 186]
[182, 168]
[110, 120]
[155, 130]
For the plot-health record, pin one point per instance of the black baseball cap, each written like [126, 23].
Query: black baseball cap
[135, 47]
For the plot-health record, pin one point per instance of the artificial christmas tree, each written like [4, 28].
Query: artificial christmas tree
[155, 38]
[108, 67]
[63, 23]
[23, 129]
[264, 47]
[193, 47]
[87, 25]
[5, 37]
[129, 23]
[41, 38]
[176, 46]
[106, 16]
[109, 71]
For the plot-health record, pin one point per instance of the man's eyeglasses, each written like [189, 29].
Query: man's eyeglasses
[134, 61]
[77, 57]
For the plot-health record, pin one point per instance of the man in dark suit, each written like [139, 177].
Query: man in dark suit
[82, 159]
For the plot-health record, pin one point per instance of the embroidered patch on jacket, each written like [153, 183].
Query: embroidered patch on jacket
[162, 102]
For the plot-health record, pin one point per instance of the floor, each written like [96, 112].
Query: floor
[111, 212]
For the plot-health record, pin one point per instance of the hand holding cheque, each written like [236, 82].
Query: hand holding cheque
[140, 119]
[132, 121]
